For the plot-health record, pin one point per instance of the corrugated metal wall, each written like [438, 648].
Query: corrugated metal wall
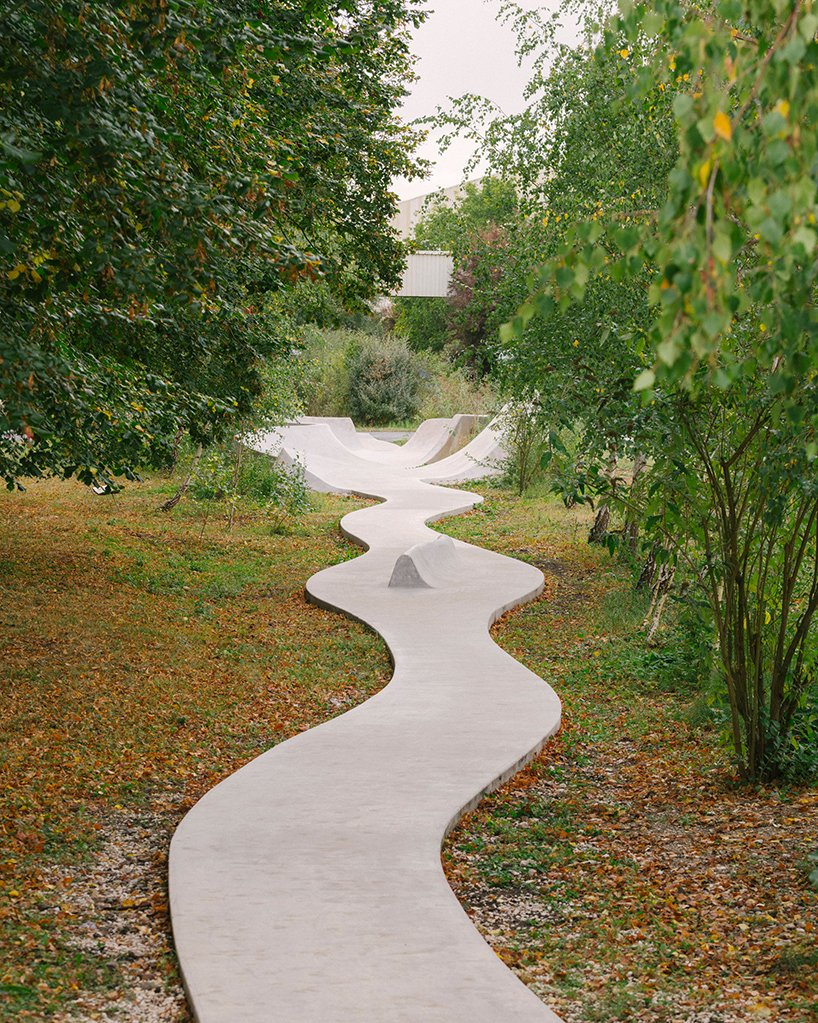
[427, 275]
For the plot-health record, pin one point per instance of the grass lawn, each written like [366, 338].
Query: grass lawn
[145, 656]
[143, 659]
[625, 876]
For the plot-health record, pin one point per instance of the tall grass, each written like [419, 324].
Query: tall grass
[375, 378]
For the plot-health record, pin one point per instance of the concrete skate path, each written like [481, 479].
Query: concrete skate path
[307, 887]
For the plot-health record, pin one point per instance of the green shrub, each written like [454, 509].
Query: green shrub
[683, 660]
[385, 380]
[377, 378]
[422, 322]
[266, 481]
[447, 391]
[795, 753]
[526, 439]
[325, 360]
[231, 473]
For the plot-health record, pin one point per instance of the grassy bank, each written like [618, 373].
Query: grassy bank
[144, 657]
[626, 876]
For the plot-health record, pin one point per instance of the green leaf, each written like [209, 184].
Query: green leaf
[668, 351]
[805, 237]
[706, 128]
[683, 105]
[731, 10]
[652, 23]
[808, 26]
[771, 231]
[757, 191]
[25, 156]
[508, 332]
[722, 246]
[645, 380]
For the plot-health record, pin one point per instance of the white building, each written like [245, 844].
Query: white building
[428, 273]
[410, 209]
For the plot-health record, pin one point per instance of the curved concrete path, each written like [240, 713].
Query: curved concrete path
[307, 887]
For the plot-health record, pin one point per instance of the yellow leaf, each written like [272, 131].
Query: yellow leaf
[704, 172]
[722, 126]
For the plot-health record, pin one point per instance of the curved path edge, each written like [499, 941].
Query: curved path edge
[308, 887]
[523, 761]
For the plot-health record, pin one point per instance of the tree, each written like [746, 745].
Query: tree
[468, 227]
[167, 171]
[423, 322]
[675, 149]
[490, 202]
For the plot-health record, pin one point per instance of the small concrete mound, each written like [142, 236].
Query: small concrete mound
[426, 565]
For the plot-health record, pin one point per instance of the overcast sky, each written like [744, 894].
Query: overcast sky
[461, 48]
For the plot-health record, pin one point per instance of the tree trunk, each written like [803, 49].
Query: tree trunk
[238, 457]
[599, 530]
[661, 589]
[648, 573]
[630, 530]
[170, 504]
[177, 443]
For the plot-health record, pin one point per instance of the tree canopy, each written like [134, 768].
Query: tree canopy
[659, 293]
[490, 202]
[168, 169]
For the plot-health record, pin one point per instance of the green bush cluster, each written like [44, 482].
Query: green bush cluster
[448, 390]
[424, 322]
[385, 380]
[377, 379]
[231, 473]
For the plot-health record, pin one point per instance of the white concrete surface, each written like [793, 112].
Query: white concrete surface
[332, 452]
[307, 887]
[393, 436]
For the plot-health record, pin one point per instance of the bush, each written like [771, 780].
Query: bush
[447, 391]
[422, 322]
[230, 473]
[376, 378]
[325, 383]
[526, 439]
[794, 755]
[385, 380]
[684, 659]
